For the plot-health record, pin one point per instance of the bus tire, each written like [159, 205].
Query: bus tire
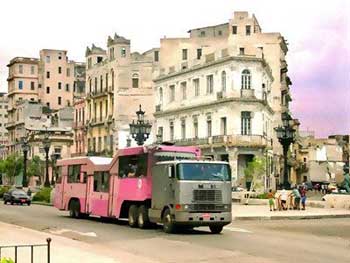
[132, 216]
[142, 217]
[168, 222]
[216, 229]
[74, 209]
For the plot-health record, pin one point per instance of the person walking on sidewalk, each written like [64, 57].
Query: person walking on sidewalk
[303, 197]
[284, 197]
[271, 200]
[278, 200]
[296, 196]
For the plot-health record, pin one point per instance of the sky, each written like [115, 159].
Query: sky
[318, 33]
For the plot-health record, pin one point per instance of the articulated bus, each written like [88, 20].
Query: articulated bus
[163, 184]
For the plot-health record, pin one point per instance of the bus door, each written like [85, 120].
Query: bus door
[111, 195]
[100, 193]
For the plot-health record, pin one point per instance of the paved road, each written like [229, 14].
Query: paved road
[242, 241]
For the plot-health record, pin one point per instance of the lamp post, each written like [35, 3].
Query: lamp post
[286, 136]
[46, 144]
[25, 149]
[54, 158]
[141, 129]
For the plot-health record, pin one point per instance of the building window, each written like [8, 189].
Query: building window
[156, 55]
[101, 83]
[59, 56]
[223, 81]
[246, 79]
[95, 88]
[48, 59]
[195, 127]
[183, 89]
[106, 108]
[99, 59]
[160, 132]
[184, 54]
[100, 110]
[47, 90]
[199, 53]
[210, 84]
[32, 87]
[47, 74]
[68, 72]
[135, 80]
[59, 100]
[247, 30]
[183, 129]
[112, 73]
[90, 85]
[67, 87]
[234, 30]
[106, 81]
[160, 95]
[196, 87]
[220, 33]
[172, 93]
[32, 70]
[246, 123]
[223, 126]
[59, 85]
[209, 126]
[59, 70]
[20, 84]
[241, 51]
[111, 53]
[20, 68]
[48, 104]
[202, 34]
[123, 52]
[171, 131]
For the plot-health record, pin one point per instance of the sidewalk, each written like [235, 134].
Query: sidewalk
[262, 212]
[62, 249]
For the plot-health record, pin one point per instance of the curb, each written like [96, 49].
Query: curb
[41, 203]
[302, 217]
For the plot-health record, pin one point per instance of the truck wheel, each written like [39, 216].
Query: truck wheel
[168, 223]
[216, 229]
[132, 217]
[5, 202]
[142, 217]
[74, 209]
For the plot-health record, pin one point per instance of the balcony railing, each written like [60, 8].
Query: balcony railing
[247, 93]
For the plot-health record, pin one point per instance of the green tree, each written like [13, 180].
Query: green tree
[35, 166]
[254, 173]
[12, 166]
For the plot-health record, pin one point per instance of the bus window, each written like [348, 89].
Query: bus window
[133, 166]
[73, 174]
[101, 182]
[59, 174]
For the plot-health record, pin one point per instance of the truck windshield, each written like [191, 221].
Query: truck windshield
[204, 171]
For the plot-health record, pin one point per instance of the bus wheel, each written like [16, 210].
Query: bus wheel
[142, 217]
[216, 229]
[132, 217]
[168, 223]
[74, 209]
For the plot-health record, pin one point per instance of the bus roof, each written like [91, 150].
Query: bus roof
[96, 160]
[192, 161]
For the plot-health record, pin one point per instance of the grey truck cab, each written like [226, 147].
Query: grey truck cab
[191, 193]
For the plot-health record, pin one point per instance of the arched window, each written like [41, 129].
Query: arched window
[160, 95]
[246, 79]
[223, 81]
[135, 80]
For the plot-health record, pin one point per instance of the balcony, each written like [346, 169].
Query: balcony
[247, 94]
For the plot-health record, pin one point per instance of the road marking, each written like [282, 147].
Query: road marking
[235, 229]
[62, 231]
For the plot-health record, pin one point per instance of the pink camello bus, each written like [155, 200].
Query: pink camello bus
[122, 187]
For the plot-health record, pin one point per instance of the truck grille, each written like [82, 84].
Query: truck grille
[206, 207]
[207, 195]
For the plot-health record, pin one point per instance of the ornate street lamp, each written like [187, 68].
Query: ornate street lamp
[54, 158]
[141, 129]
[47, 144]
[25, 149]
[286, 136]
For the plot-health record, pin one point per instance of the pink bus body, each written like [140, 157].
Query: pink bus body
[82, 192]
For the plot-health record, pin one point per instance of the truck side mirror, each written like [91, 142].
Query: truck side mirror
[171, 173]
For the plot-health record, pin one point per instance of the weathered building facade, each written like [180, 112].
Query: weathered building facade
[117, 82]
[3, 121]
[224, 88]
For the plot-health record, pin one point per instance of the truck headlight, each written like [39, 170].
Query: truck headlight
[186, 207]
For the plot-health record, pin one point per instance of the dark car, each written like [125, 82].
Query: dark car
[16, 196]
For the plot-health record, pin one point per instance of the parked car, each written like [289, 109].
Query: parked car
[16, 196]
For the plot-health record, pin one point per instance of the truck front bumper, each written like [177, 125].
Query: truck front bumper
[202, 219]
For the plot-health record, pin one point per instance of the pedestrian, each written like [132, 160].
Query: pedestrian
[278, 201]
[296, 197]
[303, 197]
[284, 197]
[29, 192]
[271, 200]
